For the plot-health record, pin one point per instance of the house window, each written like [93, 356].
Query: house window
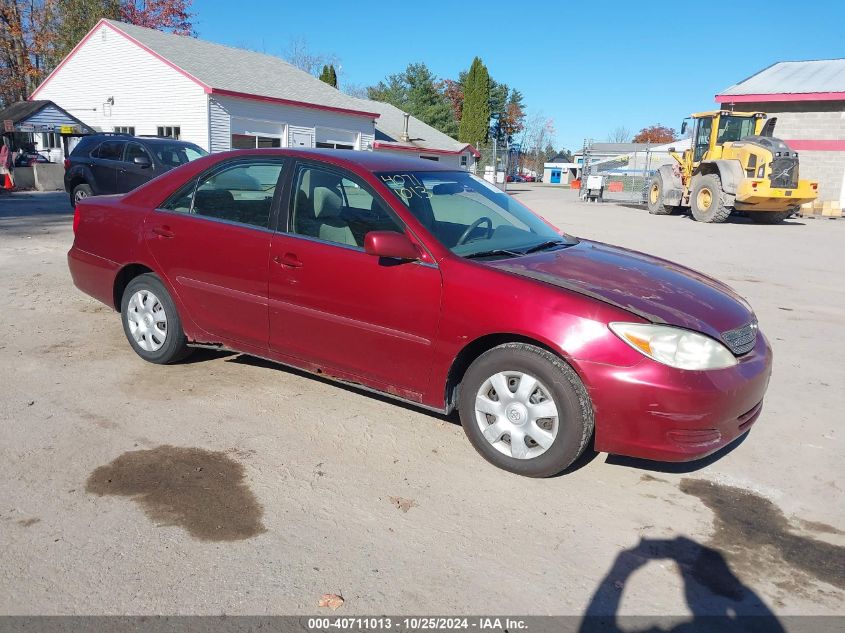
[50, 140]
[125, 129]
[434, 158]
[329, 145]
[169, 131]
[463, 160]
[250, 141]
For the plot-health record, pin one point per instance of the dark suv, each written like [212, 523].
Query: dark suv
[116, 163]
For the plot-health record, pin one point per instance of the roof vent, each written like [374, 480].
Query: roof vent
[405, 136]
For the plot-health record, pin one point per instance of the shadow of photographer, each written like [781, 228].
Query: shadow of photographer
[716, 597]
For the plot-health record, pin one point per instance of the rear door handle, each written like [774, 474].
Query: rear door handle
[163, 231]
[288, 259]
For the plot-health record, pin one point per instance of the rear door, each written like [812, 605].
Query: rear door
[131, 175]
[212, 242]
[107, 160]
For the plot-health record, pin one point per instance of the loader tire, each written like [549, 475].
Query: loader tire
[708, 199]
[654, 197]
[770, 217]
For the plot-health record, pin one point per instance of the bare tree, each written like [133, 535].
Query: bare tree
[355, 90]
[539, 131]
[299, 54]
[619, 134]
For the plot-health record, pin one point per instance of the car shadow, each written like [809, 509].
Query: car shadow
[734, 218]
[675, 467]
[717, 599]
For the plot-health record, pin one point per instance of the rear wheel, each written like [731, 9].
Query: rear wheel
[656, 194]
[151, 323]
[770, 217]
[708, 201]
[525, 410]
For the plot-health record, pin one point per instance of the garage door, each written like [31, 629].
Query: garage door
[250, 133]
[334, 138]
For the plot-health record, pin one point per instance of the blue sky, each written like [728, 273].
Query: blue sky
[635, 64]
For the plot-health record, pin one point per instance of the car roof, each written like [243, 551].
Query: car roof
[107, 136]
[371, 161]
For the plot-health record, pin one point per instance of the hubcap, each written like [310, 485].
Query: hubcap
[147, 320]
[79, 195]
[654, 193]
[705, 199]
[516, 414]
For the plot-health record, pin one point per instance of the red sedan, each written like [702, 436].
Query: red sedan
[432, 286]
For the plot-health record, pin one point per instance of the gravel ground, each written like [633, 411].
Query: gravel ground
[230, 485]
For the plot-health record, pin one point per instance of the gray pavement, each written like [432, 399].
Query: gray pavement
[229, 485]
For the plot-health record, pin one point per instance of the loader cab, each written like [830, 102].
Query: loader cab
[711, 130]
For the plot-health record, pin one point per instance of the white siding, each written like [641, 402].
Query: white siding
[448, 160]
[147, 92]
[248, 114]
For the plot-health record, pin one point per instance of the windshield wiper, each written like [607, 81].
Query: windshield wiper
[493, 253]
[544, 245]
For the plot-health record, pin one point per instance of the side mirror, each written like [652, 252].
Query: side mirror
[141, 161]
[683, 128]
[390, 244]
[671, 149]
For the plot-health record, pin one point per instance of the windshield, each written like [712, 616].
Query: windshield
[734, 128]
[175, 154]
[471, 217]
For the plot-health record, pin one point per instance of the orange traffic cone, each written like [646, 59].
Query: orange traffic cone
[7, 181]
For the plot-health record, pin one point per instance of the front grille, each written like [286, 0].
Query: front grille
[742, 339]
[784, 172]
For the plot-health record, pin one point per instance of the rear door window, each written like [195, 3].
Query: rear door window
[111, 150]
[242, 192]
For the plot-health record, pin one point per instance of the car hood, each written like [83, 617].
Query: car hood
[655, 289]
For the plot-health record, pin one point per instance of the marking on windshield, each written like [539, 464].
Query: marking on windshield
[406, 186]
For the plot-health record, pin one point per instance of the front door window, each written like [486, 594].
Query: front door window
[702, 138]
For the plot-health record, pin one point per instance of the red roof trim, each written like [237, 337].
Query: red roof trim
[290, 102]
[782, 96]
[103, 22]
[425, 150]
[817, 145]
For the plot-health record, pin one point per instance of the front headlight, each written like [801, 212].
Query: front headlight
[676, 347]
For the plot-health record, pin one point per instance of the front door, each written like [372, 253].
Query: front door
[212, 242]
[555, 176]
[333, 305]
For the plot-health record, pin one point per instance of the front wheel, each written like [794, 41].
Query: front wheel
[151, 323]
[708, 201]
[770, 217]
[525, 410]
[79, 193]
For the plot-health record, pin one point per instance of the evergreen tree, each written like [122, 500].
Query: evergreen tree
[324, 75]
[475, 116]
[332, 76]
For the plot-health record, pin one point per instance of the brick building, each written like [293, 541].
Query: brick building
[808, 99]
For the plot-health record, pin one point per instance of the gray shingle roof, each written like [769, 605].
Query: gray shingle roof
[238, 70]
[390, 124]
[821, 75]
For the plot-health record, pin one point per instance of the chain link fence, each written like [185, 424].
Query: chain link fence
[623, 178]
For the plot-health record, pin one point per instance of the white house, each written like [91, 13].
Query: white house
[125, 78]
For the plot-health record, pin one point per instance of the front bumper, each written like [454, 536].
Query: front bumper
[764, 197]
[656, 412]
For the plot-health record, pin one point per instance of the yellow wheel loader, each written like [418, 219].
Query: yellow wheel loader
[733, 164]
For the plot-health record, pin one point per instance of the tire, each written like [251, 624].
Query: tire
[708, 200]
[565, 436]
[770, 217]
[144, 304]
[80, 192]
[654, 198]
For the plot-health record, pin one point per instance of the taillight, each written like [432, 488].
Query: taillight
[67, 163]
[815, 186]
[75, 218]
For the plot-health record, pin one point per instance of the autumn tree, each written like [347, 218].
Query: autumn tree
[655, 134]
[162, 15]
[454, 93]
